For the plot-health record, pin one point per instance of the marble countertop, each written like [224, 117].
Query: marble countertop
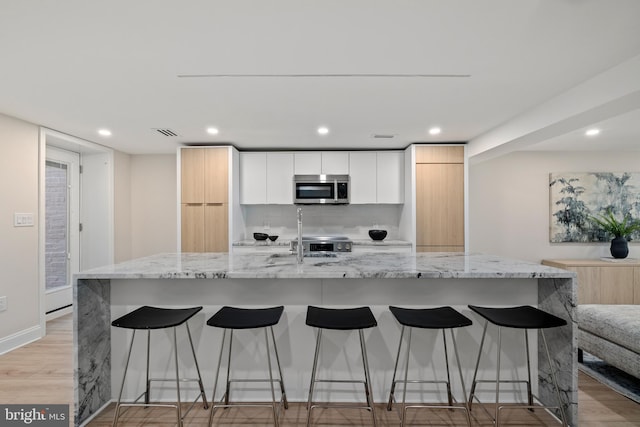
[262, 265]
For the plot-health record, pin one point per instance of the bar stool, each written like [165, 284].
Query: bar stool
[149, 318]
[346, 319]
[522, 317]
[231, 318]
[428, 318]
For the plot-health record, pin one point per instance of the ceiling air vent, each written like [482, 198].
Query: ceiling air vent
[383, 135]
[165, 131]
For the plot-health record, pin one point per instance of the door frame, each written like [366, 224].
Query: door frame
[99, 183]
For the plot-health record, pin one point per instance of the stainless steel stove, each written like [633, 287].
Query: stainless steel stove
[323, 244]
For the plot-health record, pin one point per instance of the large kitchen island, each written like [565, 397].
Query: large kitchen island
[344, 280]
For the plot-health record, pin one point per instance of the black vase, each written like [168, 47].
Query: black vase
[619, 247]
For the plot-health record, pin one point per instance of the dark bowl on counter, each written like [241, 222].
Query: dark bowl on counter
[378, 234]
[260, 236]
[273, 238]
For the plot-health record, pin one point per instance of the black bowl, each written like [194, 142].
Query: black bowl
[260, 236]
[273, 238]
[378, 234]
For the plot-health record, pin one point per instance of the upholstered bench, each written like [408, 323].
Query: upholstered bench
[612, 333]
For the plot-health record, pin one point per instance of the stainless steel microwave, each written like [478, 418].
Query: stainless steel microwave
[321, 189]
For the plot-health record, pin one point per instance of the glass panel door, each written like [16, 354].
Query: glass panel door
[61, 226]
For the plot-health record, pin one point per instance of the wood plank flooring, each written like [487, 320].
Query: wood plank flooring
[42, 373]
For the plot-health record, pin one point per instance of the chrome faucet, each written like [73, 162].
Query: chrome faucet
[300, 249]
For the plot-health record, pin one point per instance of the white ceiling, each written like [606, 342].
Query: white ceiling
[274, 70]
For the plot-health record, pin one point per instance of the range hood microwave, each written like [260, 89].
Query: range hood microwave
[321, 189]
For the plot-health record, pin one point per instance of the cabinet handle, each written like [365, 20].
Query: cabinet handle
[214, 204]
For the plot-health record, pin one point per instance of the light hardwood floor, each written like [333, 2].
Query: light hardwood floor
[42, 373]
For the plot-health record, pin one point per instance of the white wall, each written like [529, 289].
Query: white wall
[122, 206]
[153, 204]
[18, 245]
[509, 208]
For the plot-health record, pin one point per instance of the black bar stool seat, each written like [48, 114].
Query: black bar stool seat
[342, 319]
[147, 317]
[245, 318]
[236, 318]
[151, 318]
[428, 318]
[522, 317]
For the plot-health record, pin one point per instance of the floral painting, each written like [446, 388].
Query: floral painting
[575, 197]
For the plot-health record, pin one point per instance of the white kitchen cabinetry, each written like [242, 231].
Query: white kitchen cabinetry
[362, 167]
[321, 162]
[253, 178]
[279, 178]
[377, 177]
[390, 177]
[335, 162]
[307, 163]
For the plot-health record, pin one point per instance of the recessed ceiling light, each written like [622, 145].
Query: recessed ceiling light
[592, 132]
[434, 131]
[104, 132]
[212, 131]
[323, 130]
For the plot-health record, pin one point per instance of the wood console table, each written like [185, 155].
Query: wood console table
[602, 281]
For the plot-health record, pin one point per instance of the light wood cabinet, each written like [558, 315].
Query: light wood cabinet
[439, 198]
[603, 282]
[204, 199]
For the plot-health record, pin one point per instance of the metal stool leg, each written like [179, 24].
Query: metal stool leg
[148, 389]
[475, 373]
[275, 349]
[313, 375]
[529, 394]
[555, 381]
[365, 362]
[195, 360]
[215, 384]
[464, 390]
[227, 391]
[124, 376]
[406, 376]
[175, 354]
[273, 392]
[395, 369]
[497, 411]
[446, 361]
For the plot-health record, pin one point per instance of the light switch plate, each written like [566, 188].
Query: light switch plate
[3, 303]
[23, 219]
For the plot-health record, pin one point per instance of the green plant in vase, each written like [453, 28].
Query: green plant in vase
[620, 229]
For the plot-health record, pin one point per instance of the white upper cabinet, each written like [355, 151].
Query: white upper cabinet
[376, 176]
[280, 178]
[253, 178]
[390, 177]
[335, 162]
[362, 167]
[307, 163]
[321, 162]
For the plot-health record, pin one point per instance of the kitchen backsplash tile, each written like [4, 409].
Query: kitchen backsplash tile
[353, 221]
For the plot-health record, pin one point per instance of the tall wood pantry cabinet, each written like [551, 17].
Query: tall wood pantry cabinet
[204, 199]
[439, 198]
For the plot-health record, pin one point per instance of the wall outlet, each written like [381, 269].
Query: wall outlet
[3, 303]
